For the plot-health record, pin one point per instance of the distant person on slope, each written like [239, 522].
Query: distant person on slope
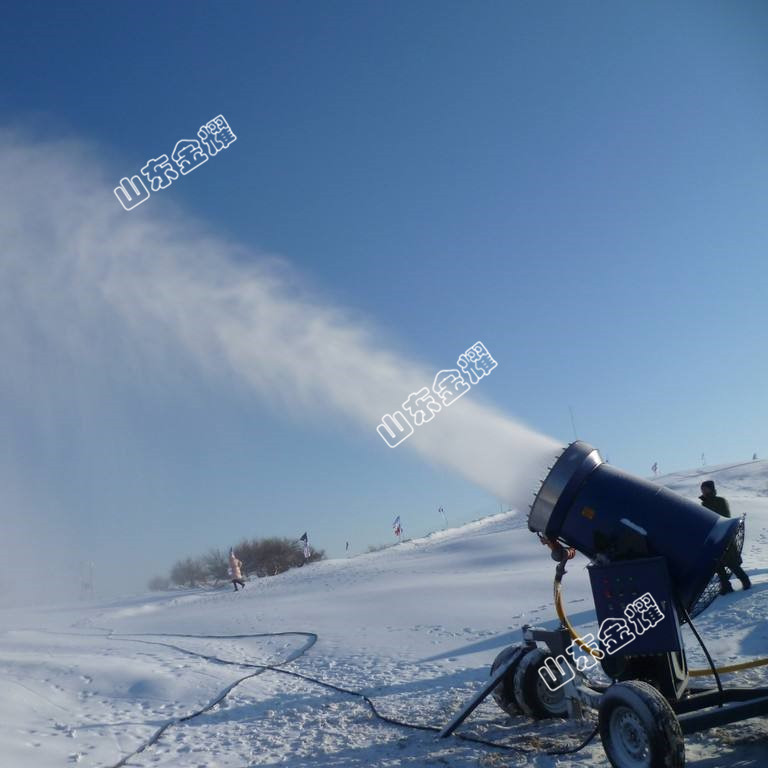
[235, 571]
[732, 559]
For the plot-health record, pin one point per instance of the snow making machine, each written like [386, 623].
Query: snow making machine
[654, 557]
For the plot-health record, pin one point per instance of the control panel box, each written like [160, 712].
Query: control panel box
[635, 609]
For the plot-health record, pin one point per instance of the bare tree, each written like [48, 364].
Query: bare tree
[216, 564]
[159, 583]
[188, 573]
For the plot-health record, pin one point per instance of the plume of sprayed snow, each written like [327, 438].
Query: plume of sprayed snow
[85, 283]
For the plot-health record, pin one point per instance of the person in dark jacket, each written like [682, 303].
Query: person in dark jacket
[732, 559]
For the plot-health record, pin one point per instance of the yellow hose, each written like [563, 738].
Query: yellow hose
[597, 654]
[731, 668]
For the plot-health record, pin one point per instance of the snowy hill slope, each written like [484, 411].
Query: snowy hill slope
[746, 478]
[415, 627]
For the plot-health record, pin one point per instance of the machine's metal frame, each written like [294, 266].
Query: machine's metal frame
[696, 710]
[621, 523]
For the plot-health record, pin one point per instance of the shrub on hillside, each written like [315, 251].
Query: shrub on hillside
[268, 557]
[260, 557]
[159, 583]
[216, 564]
[188, 573]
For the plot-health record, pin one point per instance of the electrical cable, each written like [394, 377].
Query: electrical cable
[278, 668]
[430, 728]
[702, 644]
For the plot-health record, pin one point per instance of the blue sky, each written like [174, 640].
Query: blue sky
[581, 186]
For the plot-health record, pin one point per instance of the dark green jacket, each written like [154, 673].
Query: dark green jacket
[716, 504]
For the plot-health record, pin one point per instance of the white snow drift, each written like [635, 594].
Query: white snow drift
[415, 627]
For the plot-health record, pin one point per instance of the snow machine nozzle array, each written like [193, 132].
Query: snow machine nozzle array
[611, 516]
[654, 556]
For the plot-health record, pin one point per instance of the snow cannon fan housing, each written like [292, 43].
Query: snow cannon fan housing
[609, 516]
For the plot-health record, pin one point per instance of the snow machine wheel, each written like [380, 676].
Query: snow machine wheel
[504, 692]
[532, 693]
[639, 729]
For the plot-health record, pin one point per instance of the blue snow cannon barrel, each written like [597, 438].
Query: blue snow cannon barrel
[609, 515]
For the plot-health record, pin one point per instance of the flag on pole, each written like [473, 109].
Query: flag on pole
[398, 529]
[307, 551]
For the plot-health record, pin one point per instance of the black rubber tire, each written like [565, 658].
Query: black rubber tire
[639, 729]
[504, 692]
[532, 694]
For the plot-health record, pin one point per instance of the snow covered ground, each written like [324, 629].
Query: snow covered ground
[415, 627]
